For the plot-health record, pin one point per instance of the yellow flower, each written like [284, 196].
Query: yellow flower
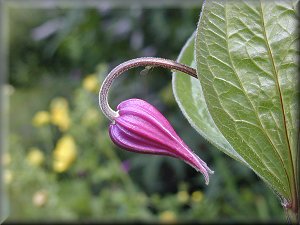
[41, 118]
[167, 217]
[60, 113]
[64, 154]
[8, 176]
[197, 196]
[91, 83]
[183, 196]
[35, 157]
[40, 198]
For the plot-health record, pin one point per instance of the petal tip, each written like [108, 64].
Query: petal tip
[206, 175]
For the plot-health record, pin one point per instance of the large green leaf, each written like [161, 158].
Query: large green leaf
[246, 56]
[189, 96]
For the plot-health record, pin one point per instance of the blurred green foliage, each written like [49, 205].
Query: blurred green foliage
[63, 55]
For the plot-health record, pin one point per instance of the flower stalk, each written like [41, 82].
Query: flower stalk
[138, 62]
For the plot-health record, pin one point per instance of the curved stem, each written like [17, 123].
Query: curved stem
[144, 61]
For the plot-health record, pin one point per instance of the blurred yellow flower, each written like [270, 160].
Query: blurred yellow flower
[41, 118]
[60, 113]
[35, 157]
[64, 153]
[91, 83]
[197, 196]
[183, 196]
[167, 217]
[8, 176]
[40, 198]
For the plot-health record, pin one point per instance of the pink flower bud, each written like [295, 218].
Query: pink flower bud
[140, 127]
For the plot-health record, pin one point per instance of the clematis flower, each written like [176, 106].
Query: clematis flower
[141, 128]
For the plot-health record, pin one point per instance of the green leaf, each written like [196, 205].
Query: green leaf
[246, 56]
[189, 96]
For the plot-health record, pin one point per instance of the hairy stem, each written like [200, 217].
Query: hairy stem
[145, 62]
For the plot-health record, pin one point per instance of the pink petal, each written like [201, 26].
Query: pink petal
[140, 127]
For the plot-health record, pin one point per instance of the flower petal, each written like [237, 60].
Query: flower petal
[140, 127]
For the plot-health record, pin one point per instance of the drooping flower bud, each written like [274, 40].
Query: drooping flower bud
[140, 127]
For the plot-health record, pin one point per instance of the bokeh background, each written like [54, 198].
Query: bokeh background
[61, 164]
